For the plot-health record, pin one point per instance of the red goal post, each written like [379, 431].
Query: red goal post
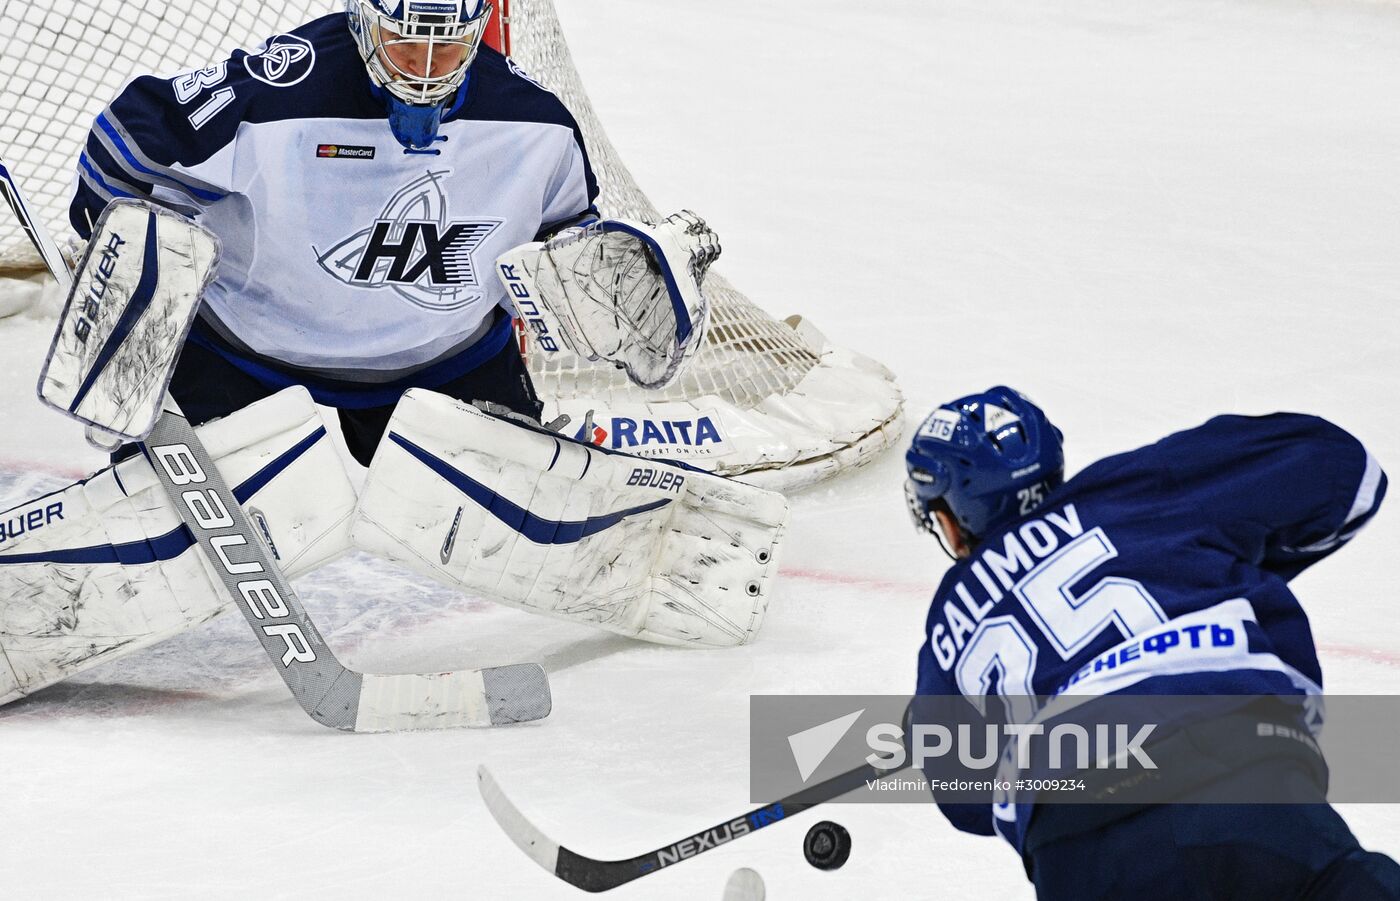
[498, 30]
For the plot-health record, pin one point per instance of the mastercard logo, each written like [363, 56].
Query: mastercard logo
[329, 150]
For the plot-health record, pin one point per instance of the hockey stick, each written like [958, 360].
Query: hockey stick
[601, 875]
[33, 229]
[329, 692]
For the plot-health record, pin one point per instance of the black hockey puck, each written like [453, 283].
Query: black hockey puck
[827, 846]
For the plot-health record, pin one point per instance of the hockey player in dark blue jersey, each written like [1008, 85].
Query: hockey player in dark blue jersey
[364, 173]
[1060, 587]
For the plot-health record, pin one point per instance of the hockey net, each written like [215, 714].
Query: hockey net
[769, 401]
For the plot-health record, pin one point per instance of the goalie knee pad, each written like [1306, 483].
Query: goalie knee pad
[106, 567]
[555, 526]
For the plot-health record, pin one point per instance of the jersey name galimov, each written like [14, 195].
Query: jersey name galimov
[996, 571]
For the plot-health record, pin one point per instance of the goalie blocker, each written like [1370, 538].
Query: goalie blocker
[651, 550]
[129, 309]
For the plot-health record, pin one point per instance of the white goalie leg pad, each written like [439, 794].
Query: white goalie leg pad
[106, 567]
[281, 464]
[554, 526]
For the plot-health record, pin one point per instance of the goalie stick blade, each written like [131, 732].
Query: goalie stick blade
[496, 696]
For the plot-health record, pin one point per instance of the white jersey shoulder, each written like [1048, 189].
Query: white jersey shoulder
[342, 251]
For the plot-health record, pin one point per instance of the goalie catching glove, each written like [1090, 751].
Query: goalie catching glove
[617, 290]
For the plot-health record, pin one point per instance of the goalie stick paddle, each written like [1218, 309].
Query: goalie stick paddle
[329, 692]
[601, 875]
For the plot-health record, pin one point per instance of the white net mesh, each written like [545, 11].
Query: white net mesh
[749, 355]
[61, 62]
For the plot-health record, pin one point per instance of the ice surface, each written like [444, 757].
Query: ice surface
[1141, 214]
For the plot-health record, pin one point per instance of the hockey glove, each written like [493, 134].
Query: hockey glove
[617, 290]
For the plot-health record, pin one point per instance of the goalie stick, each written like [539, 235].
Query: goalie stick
[601, 875]
[329, 692]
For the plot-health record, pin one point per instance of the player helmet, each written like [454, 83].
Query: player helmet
[986, 459]
[426, 30]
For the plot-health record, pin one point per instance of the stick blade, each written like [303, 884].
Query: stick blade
[517, 694]
[33, 228]
[412, 702]
[536, 845]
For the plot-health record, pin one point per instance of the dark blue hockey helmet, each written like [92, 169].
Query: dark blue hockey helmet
[986, 459]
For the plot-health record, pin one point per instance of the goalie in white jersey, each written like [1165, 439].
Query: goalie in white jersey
[363, 173]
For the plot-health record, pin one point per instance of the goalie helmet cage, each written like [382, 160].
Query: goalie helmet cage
[767, 401]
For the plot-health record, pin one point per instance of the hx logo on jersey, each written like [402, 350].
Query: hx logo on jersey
[414, 249]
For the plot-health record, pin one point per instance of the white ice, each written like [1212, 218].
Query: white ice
[1141, 214]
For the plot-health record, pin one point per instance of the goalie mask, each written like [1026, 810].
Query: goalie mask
[418, 53]
[985, 459]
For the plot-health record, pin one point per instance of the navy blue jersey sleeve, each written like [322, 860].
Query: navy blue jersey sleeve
[149, 144]
[974, 818]
[171, 140]
[1283, 491]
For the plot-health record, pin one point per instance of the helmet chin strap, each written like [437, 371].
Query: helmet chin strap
[968, 539]
[943, 543]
